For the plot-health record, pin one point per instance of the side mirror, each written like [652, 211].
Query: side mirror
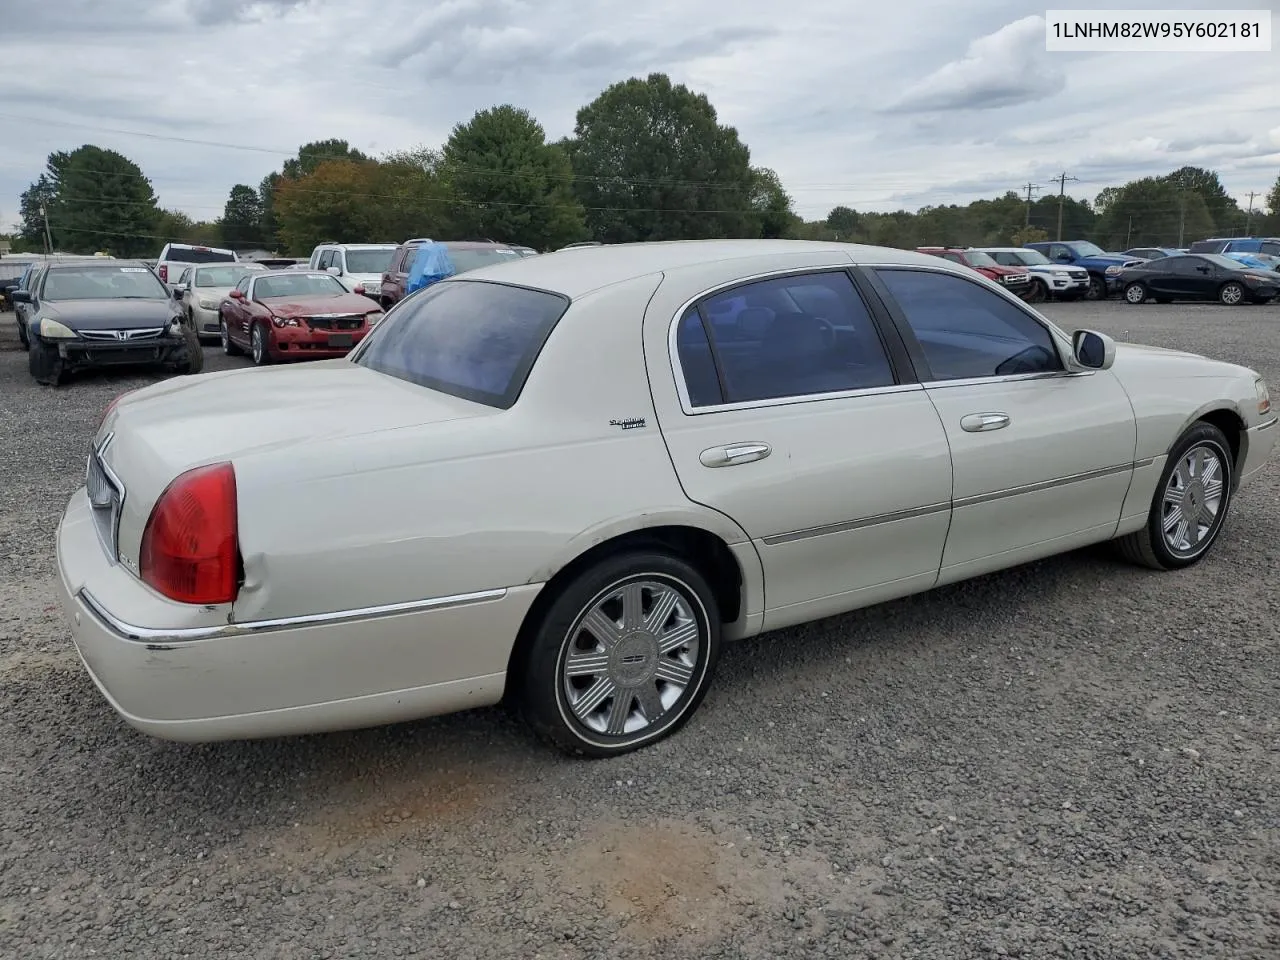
[1093, 350]
[21, 296]
[178, 290]
[1063, 258]
[336, 271]
[236, 295]
[359, 289]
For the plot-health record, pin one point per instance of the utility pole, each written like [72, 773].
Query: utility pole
[1029, 187]
[48, 240]
[1128, 237]
[1061, 180]
[1182, 208]
[1248, 217]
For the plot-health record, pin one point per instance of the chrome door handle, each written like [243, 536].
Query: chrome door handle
[733, 453]
[978, 422]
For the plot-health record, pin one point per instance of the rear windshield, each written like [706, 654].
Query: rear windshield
[469, 339]
[1207, 246]
[192, 255]
[369, 261]
[224, 276]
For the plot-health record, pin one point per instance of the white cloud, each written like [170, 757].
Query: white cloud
[1002, 69]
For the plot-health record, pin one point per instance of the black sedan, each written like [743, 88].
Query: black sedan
[87, 314]
[1198, 276]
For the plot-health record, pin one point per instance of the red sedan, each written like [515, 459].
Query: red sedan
[294, 315]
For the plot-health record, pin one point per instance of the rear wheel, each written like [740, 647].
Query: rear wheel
[1097, 288]
[258, 346]
[1232, 294]
[1190, 503]
[224, 334]
[1135, 293]
[623, 655]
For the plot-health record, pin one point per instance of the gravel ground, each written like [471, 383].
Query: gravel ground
[1071, 759]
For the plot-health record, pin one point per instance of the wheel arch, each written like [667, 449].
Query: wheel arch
[1228, 420]
[735, 576]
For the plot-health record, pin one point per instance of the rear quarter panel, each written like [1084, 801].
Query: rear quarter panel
[498, 500]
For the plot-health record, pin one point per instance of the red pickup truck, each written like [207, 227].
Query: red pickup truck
[1017, 281]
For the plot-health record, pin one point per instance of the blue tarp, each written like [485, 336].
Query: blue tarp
[430, 265]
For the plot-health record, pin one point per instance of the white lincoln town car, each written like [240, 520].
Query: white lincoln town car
[565, 481]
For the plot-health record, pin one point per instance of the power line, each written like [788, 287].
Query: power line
[1029, 187]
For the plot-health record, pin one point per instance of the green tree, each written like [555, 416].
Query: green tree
[241, 223]
[174, 226]
[338, 200]
[508, 183]
[772, 205]
[1225, 215]
[411, 199]
[1149, 212]
[1025, 235]
[39, 194]
[311, 155]
[269, 228]
[96, 200]
[843, 222]
[652, 162]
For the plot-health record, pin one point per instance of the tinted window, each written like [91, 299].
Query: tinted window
[243, 285]
[192, 255]
[786, 337]
[1207, 246]
[471, 259]
[1270, 247]
[966, 330]
[221, 276]
[1007, 259]
[1182, 266]
[472, 340]
[405, 261]
[368, 261]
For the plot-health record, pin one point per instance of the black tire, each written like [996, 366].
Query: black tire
[45, 365]
[228, 347]
[1038, 292]
[258, 351]
[1147, 547]
[23, 336]
[194, 361]
[1232, 294]
[541, 688]
[1135, 293]
[1097, 288]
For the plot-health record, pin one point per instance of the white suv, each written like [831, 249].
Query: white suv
[355, 264]
[1048, 279]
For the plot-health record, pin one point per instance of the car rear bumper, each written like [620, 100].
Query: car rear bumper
[226, 680]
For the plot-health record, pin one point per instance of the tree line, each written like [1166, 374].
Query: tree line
[647, 160]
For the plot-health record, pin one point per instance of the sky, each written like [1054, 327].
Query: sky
[870, 104]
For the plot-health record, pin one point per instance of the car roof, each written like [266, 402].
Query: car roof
[357, 246]
[581, 270]
[292, 272]
[105, 261]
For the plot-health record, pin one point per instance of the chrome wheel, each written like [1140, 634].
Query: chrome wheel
[224, 336]
[256, 345]
[1232, 294]
[1135, 293]
[1193, 498]
[630, 657]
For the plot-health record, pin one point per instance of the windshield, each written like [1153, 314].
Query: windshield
[103, 283]
[472, 340]
[977, 258]
[369, 261]
[464, 260]
[298, 285]
[221, 276]
[1086, 249]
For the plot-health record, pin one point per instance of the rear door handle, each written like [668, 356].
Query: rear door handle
[978, 422]
[734, 453]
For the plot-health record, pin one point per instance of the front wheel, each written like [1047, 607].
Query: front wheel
[193, 362]
[1232, 294]
[1190, 503]
[45, 365]
[623, 655]
[258, 346]
[1135, 293]
[1038, 292]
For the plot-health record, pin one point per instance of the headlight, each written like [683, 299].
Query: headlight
[1113, 271]
[1264, 397]
[372, 318]
[1251, 280]
[51, 329]
[284, 321]
[208, 304]
[1062, 274]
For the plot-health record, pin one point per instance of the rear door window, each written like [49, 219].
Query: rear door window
[469, 339]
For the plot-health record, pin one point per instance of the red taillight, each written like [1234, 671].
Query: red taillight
[164, 273]
[190, 547]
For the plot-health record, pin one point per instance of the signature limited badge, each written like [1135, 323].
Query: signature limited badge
[631, 423]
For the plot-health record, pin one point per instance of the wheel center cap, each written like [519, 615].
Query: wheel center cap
[634, 659]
